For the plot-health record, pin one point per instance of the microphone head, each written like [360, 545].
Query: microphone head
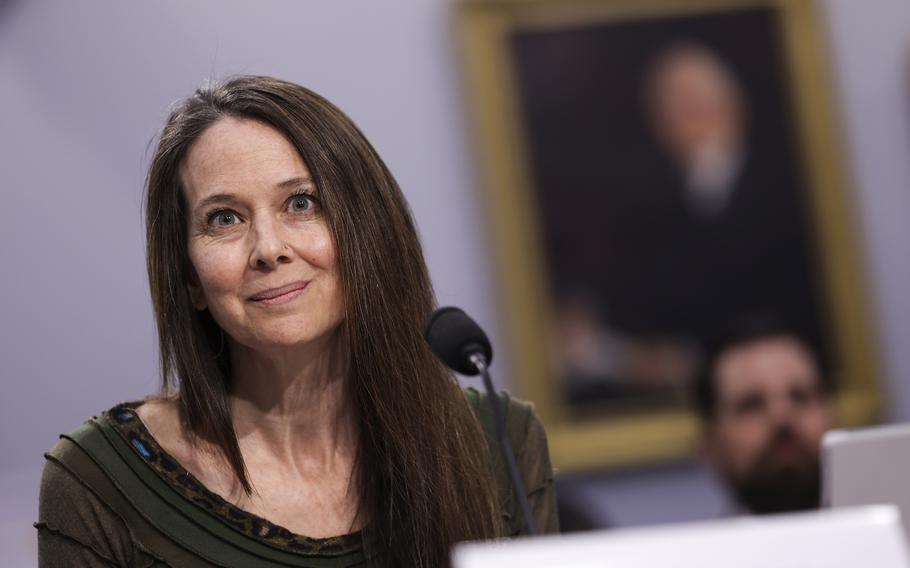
[454, 337]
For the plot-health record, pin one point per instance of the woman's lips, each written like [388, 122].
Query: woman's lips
[280, 295]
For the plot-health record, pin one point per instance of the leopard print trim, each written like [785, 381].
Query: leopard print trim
[126, 422]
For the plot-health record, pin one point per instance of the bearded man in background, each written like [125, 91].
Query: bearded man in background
[765, 407]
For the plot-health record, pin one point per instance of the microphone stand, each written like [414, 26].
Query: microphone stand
[480, 362]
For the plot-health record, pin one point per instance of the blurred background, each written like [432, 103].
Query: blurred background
[85, 86]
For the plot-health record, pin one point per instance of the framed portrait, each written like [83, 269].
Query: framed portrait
[654, 172]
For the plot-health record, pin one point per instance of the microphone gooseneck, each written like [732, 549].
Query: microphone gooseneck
[464, 347]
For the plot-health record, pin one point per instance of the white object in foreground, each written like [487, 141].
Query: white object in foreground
[842, 538]
[867, 466]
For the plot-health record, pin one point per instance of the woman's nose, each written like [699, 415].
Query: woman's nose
[270, 247]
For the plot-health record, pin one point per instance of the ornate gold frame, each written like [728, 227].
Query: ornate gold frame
[501, 155]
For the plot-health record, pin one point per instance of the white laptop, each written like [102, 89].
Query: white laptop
[866, 466]
[842, 538]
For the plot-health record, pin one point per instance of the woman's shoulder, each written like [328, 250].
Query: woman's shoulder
[87, 436]
[91, 435]
[88, 451]
[76, 521]
[520, 417]
[529, 442]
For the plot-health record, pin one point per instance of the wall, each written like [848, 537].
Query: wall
[870, 43]
[85, 86]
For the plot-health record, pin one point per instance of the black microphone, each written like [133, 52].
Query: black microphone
[463, 346]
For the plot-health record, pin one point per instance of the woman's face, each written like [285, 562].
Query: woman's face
[263, 255]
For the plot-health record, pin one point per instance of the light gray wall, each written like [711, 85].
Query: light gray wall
[870, 44]
[85, 85]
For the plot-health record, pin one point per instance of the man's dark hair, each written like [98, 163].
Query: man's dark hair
[746, 332]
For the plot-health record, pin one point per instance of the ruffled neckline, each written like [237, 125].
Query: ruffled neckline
[127, 423]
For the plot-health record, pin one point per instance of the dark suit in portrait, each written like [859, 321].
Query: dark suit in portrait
[666, 182]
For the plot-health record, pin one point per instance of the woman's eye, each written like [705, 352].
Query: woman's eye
[300, 204]
[223, 218]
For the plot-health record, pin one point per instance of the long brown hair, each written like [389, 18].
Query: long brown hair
[424, 480]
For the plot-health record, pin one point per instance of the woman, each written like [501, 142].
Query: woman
[304, 422]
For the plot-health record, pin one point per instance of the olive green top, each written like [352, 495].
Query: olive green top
[111, 496]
